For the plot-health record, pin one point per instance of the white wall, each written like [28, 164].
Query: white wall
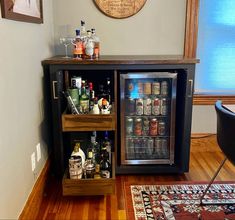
[23, 47]
[158, 28]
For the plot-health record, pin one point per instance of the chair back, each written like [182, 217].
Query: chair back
[225, 130]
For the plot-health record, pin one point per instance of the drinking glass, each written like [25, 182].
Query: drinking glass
[66, 41]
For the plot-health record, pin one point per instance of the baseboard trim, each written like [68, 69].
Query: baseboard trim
[31, 208]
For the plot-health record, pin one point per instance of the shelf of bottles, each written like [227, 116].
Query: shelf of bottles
[148, 117]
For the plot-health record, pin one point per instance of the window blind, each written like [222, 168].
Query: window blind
[215, 74]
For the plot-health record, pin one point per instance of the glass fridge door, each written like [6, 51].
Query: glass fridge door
[148, 117]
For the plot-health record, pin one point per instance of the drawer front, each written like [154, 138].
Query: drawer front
[88, 122]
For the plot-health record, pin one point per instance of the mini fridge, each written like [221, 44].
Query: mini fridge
[147, 118]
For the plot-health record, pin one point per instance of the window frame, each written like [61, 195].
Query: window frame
[190, 48]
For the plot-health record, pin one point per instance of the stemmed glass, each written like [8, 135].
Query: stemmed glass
[66, 41]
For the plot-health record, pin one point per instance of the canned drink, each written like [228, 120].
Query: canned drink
[130, 87]
[138, 148]
[147, 88]
[76, 81]
[147, 106]
[139, 106]
[129, 126]
[138, 127]
[153, 127]
[156, 106]
[140, 88]
[145, 126]
[130, 106]
[150, 147]
[157, 147]
[156, 88]
[165, 151]
[164, 88]
[163, 106]
[161, 128]
[130, 148]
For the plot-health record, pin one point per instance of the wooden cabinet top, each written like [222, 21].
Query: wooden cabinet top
[123, 59]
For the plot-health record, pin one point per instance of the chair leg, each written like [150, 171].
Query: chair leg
[212, 180]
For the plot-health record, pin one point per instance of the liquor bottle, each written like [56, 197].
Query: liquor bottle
[107, 144]
[91, 95]
[83, 36]
[84, 100]
[89, 46]
[108, 90]
[105, 165]
[96, 109]
[95, 148]
[105, 107]
[97, 172]
[78, 46]
[89, 166]
[77, 151]
[101, 95]
[96, 43]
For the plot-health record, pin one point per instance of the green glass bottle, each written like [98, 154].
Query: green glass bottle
[84, 100]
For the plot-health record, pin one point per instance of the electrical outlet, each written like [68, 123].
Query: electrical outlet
[38, 149]
[33, 161]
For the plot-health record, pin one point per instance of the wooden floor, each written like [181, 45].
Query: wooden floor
[205, 159]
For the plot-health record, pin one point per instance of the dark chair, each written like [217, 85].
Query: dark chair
[225, 138]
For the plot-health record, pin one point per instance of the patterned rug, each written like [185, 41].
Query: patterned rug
[179, 201]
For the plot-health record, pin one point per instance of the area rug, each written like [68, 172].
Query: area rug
[179, 201]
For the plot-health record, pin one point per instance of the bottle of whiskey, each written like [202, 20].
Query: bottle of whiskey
[96, 43]
[84, 100]
[105, 165]
[107, 144]
[78, 46]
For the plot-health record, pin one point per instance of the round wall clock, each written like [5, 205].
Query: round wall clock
[120, 8]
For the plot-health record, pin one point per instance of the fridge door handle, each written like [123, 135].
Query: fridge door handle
[190, 94]
[54, 83]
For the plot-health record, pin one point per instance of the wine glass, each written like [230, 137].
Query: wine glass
[66, 41]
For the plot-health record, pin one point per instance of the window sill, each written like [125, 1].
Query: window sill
[211, 99]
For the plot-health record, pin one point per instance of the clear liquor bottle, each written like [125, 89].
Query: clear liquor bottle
[89, 46]
[83, 36]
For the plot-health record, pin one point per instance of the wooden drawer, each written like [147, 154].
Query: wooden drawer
[82, 187]
[88, 122]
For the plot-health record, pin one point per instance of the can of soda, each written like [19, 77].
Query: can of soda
[130, 148]
[157, 147]
[145, 126]
[147, 88]
[165, 151]
[153, 127]
[147, 106]
[164, 88]
[140, 88]
[139, 106]
[161, 128]
[150, 147]
[156, 88]
[130, 106]
[129, 126]
[164, 107]
[138, 127]
[156, 106]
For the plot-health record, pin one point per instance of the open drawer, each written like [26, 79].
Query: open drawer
[82, 187]
[88, 122]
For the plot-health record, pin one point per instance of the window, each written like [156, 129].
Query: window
[215, 74]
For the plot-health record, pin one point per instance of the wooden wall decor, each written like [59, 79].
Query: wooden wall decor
[120, 8]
